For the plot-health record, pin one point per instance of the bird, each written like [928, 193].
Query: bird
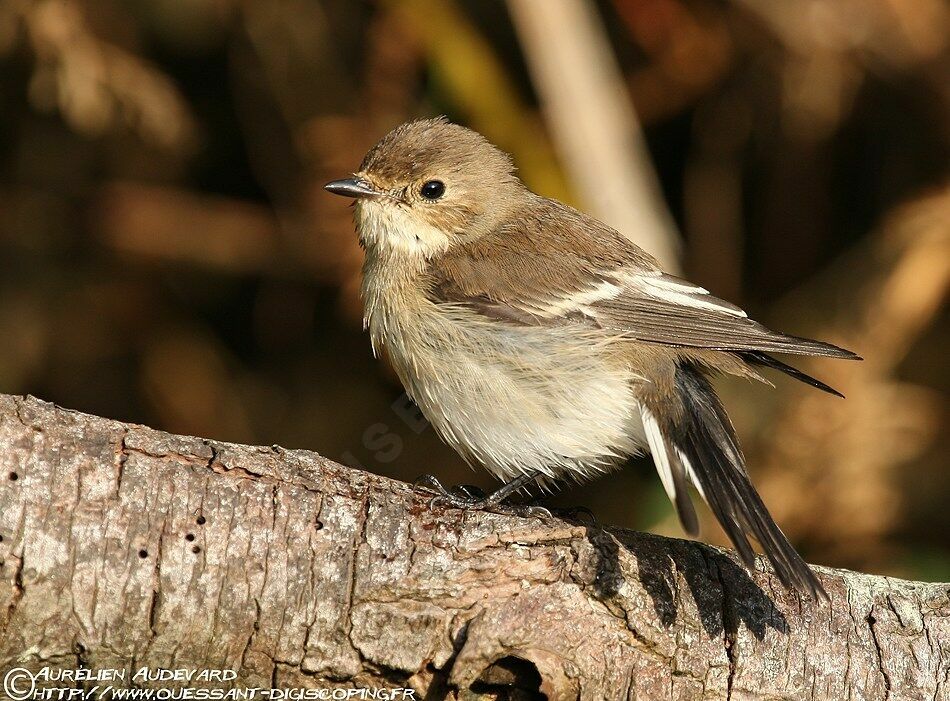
[546, 346]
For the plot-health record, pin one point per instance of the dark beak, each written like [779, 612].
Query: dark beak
[352, 187]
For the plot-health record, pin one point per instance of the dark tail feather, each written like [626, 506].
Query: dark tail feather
[809, 346]
[765, 360]
[708, 450]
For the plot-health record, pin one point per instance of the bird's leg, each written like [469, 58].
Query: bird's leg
[468, 497]
[464, 492]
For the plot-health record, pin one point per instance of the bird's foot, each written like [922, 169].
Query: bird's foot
[469, 497]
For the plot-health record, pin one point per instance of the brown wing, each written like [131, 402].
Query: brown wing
[661, 309]
[558, 266]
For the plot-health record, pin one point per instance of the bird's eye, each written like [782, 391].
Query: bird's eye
[433, 190]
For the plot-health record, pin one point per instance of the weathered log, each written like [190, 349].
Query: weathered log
[125, 547]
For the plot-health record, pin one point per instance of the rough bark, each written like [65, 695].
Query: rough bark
[123, 547]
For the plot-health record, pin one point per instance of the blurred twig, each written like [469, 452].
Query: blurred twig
[167, 224]
[98, 87]
[593, 121]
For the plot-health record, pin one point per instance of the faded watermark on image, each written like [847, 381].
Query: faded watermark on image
[384, 441]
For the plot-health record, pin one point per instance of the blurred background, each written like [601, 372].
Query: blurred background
[168, 255]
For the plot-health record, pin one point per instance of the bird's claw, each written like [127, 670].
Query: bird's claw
[469, 497]
[430, 483]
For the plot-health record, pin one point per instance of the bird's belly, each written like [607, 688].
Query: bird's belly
[520, 399]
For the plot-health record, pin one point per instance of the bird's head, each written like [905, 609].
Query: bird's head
[429, 185]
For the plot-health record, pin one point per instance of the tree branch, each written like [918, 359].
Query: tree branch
[123, 547]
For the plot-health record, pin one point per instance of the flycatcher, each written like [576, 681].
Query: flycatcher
[545, 346]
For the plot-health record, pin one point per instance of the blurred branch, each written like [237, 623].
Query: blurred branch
[175, 225]
[98, 87]
[594, 124]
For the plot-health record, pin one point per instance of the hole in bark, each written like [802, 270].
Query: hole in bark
[13, 476]
[1, 538]
[190, 537]
[196, 549]
[2, 563]
[143, 553]
[319, 525]
[200, 520]
[508, 672]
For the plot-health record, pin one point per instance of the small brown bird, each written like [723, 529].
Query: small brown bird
[546, 346]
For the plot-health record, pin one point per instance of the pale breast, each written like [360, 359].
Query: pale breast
[512, 398]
